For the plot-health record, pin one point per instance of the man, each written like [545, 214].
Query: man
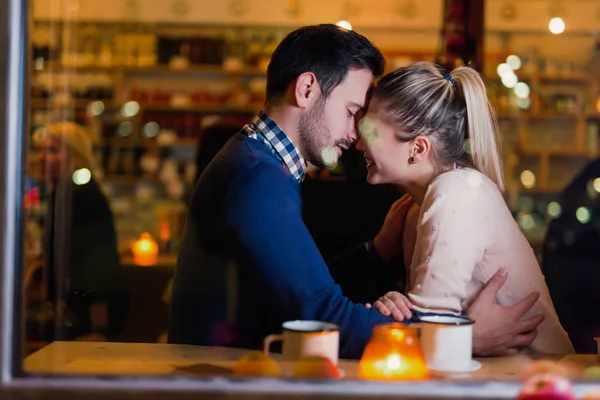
[247, 205]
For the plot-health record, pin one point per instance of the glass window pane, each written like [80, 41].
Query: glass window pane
[150, 249]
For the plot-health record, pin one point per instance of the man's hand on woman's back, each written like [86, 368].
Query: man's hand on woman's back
[498, 330]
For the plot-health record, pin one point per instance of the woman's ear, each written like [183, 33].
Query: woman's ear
[306, 90]
[420, 149]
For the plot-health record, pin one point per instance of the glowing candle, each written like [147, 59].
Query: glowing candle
[393, 353]
[145, 250]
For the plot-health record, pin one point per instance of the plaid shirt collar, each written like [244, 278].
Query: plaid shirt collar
[265, 129]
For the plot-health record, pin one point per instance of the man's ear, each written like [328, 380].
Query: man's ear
[306, 90]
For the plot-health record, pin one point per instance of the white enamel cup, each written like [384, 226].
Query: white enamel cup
[447, 343]
[306, 338]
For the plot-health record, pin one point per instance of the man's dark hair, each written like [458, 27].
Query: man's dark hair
[327, 51]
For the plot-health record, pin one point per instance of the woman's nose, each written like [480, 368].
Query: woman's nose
[360, 144]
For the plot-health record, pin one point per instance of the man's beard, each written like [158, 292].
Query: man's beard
[315, 136]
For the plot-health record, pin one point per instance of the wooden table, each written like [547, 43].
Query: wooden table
[83, 358]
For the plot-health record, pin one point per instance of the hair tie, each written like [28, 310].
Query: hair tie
[449, 79]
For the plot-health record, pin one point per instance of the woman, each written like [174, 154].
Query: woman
[436, 136]
[82, 274]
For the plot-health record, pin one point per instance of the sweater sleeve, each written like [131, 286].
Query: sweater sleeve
[263, 208]
[452, 242]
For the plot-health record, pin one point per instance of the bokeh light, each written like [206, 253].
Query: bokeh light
[554, 209]
[95, 108]
[522, 90]
[330, 156]
[596, 185]
[557, 25]
[583, 215]
[528, 179]
[504, 69]
[150, 129]
[130, 109]
[82, 176]
[509, 80]
[514, 62]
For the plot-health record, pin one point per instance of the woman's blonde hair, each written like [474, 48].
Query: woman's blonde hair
[448, 109]
[75, 138]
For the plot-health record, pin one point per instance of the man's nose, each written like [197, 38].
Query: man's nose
[353, 131]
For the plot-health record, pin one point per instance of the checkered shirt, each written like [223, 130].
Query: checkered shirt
[265, 129]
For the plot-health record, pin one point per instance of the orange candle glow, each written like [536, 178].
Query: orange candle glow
[145, 250]
[393, 353]
[164, 231]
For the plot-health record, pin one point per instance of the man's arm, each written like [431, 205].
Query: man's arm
[263, 208]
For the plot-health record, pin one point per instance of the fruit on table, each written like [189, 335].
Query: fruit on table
[592, 373]
[593, 395]
[315, 367]
[257, 364]
[566, 369]
[547, 386]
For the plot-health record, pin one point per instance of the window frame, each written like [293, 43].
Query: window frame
[14, 74]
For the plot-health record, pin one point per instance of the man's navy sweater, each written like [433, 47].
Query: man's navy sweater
[247, 208]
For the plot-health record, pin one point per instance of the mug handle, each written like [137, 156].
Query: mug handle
[269, 340]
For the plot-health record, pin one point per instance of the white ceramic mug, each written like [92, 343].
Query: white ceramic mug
[306, 338]
[447, 343]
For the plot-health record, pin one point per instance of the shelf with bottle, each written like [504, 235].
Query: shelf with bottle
[154, 47]
[579, 79]
[205, 108]
[525, 114]
[79, 106]
[75, 104]
[558, 153]
[227, 68]
[551, 144]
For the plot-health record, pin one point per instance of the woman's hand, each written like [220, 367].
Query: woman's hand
[388, 241]
[394, 304]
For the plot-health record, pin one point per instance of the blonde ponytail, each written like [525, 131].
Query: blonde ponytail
[482, 126]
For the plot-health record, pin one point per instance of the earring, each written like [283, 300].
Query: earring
[411, 160]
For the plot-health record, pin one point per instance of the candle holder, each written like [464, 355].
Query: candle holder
[393, 354]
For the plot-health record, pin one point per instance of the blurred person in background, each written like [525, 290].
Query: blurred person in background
[81, 279]
[570, 259]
